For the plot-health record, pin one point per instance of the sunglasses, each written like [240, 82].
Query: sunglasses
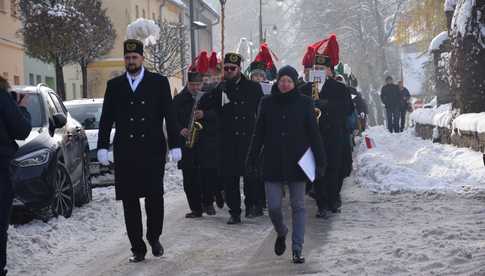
[230, 68]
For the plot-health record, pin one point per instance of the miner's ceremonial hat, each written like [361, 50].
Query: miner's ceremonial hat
[133, 46]
[233, 58]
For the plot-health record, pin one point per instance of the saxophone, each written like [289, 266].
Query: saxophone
[194, 126]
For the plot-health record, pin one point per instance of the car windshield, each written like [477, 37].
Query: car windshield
[35, 109]
[87, 114]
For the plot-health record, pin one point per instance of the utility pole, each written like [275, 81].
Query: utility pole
[223, 17]
[192, 32]
[261, 39]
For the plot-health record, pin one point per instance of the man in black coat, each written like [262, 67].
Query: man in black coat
[391, 98]
[199, 162]
[138, 102]
[236, 100]
[14, 125]
[404, 107]
[336, 105]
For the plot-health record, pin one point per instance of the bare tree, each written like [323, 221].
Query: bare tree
[99, 38]
[164, 57]
[51, 31]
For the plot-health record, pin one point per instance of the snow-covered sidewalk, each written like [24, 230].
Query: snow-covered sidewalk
[404, 162]
[411, 208]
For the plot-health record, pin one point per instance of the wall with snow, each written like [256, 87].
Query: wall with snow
[443, 125]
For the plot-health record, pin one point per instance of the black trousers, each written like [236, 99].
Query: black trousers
[6, 198]
[200, 185]
[154, 208]
[253, 193]
[402, 119]
[393, 116]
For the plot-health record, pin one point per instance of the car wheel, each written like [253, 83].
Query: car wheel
[86, 194]
[63, 203]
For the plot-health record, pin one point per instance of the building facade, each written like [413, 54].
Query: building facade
[11, 46]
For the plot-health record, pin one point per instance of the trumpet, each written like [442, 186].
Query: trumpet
[194, 127]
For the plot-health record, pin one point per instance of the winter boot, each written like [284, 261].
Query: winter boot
[297, 257]
[280, 245]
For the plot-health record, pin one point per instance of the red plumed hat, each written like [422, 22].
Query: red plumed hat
[309, 57]
[213, 61]
[202, 63]
[265, 56]
[328, 47]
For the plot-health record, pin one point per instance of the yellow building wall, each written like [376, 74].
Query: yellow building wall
[11, 49]
[122, 13]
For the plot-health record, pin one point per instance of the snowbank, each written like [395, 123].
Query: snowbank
[473, 122]
[440, 116]
[39, 248]
[438, 41]
[405, 163]
[462, 16]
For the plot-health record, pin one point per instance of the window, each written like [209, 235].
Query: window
[5, 75]
[74, 96]
[31, 79]
[2, 5]
[50, 82]
[137, 11]
[16, 80]
[144, 13]
[39, 79]
[153, 17]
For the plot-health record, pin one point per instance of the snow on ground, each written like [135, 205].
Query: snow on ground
[403, 162]
[45, 246]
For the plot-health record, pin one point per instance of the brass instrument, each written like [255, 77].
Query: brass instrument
[316, 97]
[194, 126]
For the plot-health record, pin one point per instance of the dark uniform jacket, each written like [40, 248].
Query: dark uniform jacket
[336, 104]
[286, 127]
[14, 125]
[139, 143]
[204, 154]
[391, 96]
[236, 105]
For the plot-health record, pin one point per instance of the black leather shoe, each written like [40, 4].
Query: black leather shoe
[280, 245]
[210, 211]
[234, 220]
[157, 249]
[298, 258]
[322, 214]
[137, 257]
[193, 215]
[219, 200]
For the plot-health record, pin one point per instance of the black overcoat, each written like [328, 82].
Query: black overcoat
[236, 105]
[286, 127]
[205, 153]
[139, 143]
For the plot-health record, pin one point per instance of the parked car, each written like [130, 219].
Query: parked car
[88, 113]
[51, 168]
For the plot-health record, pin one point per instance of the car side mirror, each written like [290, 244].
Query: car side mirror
[60, 120]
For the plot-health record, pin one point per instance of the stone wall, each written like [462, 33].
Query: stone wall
[464, 139]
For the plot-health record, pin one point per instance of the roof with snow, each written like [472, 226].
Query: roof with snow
[438, 41]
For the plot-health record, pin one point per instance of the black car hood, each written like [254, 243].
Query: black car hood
[37, 139]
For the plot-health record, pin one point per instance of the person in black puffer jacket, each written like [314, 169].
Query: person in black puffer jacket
[285, 128]
[14, 125]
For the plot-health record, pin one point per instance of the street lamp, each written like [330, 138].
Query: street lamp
[261, 38]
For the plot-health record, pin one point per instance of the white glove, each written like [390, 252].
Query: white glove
[103, 157]
[175, 155]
